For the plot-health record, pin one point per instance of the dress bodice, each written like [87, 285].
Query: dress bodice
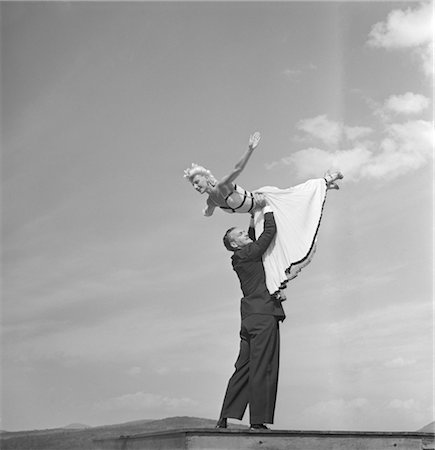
[239, 200]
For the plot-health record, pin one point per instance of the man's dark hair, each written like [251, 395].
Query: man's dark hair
[227, 240]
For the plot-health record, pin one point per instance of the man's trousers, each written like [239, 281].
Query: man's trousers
[255, 379]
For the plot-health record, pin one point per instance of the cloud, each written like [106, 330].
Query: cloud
[368, 326]
[354, 133]
[295, 73]
[360, 412]
[337, 406]
[404, 29]
[312, 161]
[321, 127]
[135, 370]
[426, 57]
[292, 73]
[398, 363]
[144, 401]
[408, 103]
[330, 132]
[403, 147]
[338, 413]
[407, 29]
[410, 408]
[401, 104]
[405, 404]
[354, 386]
[123, 337]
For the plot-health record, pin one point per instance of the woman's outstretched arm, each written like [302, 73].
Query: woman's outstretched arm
[226, 181]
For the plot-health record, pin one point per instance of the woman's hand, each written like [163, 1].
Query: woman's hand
[254, 139]
[208, 211]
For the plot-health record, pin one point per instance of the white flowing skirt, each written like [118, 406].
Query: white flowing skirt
[297, 211]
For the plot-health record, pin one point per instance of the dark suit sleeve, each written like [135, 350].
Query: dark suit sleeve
[257, 248]
[251, 230]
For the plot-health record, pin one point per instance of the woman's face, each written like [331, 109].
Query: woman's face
[199, 182]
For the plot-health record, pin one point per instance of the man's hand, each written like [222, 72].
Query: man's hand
[254, 139]
[260, 200]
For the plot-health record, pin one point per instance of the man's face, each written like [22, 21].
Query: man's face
[239, 238]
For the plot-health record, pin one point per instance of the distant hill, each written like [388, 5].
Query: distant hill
[75, 426]
[429, 428]
[81, 439]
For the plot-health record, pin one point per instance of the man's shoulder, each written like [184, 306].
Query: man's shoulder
[243, 253]
[236, 256]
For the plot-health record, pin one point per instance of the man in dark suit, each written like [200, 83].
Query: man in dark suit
[255, 379]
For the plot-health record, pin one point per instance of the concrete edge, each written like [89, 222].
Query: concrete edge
[241, 432]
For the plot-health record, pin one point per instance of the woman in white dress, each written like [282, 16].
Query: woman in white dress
[297, 211]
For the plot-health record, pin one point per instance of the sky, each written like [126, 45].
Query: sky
[118, 298]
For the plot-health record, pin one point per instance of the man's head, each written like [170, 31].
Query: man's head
[236, 238]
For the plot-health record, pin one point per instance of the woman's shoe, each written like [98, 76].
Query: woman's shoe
[331, 179]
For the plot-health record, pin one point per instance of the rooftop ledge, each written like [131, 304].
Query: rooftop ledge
[236, 439]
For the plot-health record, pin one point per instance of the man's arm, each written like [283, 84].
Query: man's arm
[251, 229]
[257, 248]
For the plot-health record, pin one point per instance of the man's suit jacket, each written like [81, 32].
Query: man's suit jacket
[248, 264]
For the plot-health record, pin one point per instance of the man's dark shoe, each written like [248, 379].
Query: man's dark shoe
[258, 427]
[221, 423]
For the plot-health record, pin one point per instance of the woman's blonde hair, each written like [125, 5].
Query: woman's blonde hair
[199, 170]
